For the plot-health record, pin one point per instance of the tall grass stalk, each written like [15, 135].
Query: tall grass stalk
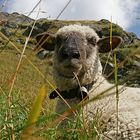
[116, 80]
[14, 79]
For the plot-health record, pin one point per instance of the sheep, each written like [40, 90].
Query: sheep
[77, 72]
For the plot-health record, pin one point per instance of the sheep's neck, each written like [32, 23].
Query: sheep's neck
[79, 92]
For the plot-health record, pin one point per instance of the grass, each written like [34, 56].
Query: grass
[26, 87]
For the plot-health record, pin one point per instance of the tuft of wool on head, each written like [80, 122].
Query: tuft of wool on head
[85, 30]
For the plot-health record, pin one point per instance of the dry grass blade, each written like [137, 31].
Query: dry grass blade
[34, 114]
[13, 82]
[116, 82]
[3, 5]
[10, 92]
[63, 9]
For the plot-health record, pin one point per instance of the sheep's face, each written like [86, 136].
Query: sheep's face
[71, 52]
[76, 49]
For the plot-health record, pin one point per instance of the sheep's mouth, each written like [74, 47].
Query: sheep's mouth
[69, 71]
[67, 75]
[72, 67]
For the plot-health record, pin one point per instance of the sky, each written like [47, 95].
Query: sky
[125, 13]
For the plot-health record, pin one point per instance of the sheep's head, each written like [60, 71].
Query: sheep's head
[76, 49]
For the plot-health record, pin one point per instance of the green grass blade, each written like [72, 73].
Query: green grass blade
[34, 114]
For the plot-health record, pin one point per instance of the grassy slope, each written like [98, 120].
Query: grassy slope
[26, 87]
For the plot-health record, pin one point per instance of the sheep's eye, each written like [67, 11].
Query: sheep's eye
[59, 40]
[92, 40]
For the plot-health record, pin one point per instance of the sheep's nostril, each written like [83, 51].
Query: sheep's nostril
[64, 55]
[70, 55]
[76, 55]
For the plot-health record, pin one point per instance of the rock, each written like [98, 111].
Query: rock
[15, 17]
[6, 31]
[21, 41]
[132, 34]
[35, 31]
[136, 63]
[97, 29]
[44, 54]
[11, 24]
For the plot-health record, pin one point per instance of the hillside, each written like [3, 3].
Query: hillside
[17, 27]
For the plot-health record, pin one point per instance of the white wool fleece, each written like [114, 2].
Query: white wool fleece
[129, 98]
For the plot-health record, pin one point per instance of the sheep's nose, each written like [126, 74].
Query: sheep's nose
[75, 55]
[70, 54]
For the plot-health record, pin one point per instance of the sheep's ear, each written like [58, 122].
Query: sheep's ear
[104, 44]
[46, 41]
